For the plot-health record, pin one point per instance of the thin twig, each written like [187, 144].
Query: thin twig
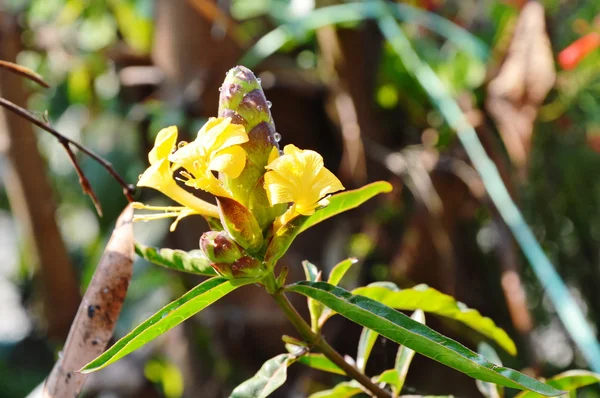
[128, 189]
[25, 72]
[83, 181]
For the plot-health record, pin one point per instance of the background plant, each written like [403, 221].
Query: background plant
[558, 196]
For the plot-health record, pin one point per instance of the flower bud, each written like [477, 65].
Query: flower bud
[243, 100]
[218, 247]
[227, 257]
[244, 267]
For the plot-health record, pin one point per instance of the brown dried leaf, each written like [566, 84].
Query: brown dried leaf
[98, 312]
[524, 80]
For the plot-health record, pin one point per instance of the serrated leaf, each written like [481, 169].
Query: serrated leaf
[365, 345]
[403, 330]
[345, 389]
[270, 377]
[430, 300]
[340, 269]
[345, 201]
[192, 262]
[168, 317]
[567, 381]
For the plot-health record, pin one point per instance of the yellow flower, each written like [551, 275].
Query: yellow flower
[159, 176]
[215, 149]
[299, 177]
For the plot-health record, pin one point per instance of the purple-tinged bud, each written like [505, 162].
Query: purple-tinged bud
[243, 99]
[218, 247]
[245, 267]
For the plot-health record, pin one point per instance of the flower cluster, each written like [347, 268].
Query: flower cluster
[236, 158]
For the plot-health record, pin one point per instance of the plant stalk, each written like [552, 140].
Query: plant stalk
[321, 345]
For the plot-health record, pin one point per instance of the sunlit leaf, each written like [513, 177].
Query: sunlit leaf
[270, 377]
[430, 300]
[315, 308]
[366, 342]
[168, 317]
[345, 201]
[320, 362]
[193, 262]
[403, 330]
[340, 269]
[567, 381]
[345, 389]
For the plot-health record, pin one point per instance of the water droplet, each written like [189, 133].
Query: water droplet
[281, 152]
[60, 354]
[258, 80]
[140, 177]
[269, 104]
[259, 108]
[220, 88]
[277, 137]
[182, 144]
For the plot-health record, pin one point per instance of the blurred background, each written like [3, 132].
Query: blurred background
[120, 70]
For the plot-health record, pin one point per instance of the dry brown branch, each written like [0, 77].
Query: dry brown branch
[98, 312]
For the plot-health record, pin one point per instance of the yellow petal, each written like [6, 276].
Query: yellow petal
[326, 182]
[219, 133]
[157, 176]
[163, 144]
[230, 161]
[278, 188]
[274, 154]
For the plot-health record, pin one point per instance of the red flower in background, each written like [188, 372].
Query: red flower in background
[570, 57]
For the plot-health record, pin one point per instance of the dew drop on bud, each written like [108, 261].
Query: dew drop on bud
[182, 144]
[277, 137]
[140, 177]
[258, 80]
[269, 104]
[220, 88]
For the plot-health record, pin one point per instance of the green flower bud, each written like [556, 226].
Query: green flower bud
[243, 100]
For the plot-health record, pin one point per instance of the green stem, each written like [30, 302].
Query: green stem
[321, 345]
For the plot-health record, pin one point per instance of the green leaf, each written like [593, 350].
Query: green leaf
[489, 390]
[193, 262]
[269, 378]
[315, 308]
[168, 317]
[320, 362]
[430, 300]
[396, 377]
[338, 272]
[405, 355]
[567, 381]
[403, 330]
[345, 389]
[390, 377]
[365, 345]
[345, 201]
